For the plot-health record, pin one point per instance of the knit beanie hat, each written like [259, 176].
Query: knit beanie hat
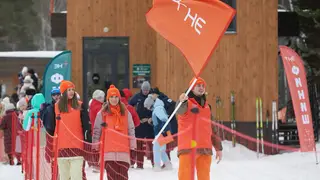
[28, 79]
[145, 86]
[65, 85]
[55, 91]
[199, 81]
[22, 102]
[98, 94]
[24, 70]
[127, 93]
[149, 101]
[113, 91]
[7, 104]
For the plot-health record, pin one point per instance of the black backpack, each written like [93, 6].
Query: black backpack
[142, 111]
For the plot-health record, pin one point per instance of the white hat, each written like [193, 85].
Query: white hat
[7, 104]
[149, 101]
[98, 95]
[22, 102]
[24, 70]
[28, 79]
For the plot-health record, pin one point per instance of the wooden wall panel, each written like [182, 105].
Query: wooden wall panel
[245, 62]
[123, 18]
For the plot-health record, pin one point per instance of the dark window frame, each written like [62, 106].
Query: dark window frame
[233, 25]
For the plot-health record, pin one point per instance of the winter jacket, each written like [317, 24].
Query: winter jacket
[48, 117]
[114, 156]
[10, 125]
[169, 105]
[95, 107]
[159, 117]
[135, 116]
[144, 130]
[216, 142]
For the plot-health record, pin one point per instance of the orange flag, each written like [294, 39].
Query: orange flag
[193, 26]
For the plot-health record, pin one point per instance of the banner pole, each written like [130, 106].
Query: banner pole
[174, 112]
[315, 151]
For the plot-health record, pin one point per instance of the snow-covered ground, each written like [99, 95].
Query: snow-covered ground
[238, 164]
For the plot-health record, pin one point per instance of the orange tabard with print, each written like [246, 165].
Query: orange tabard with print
[70, 128]
[116, 141]
[202, 123]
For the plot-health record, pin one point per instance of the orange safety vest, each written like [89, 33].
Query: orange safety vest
[70, 129]
[202, 122]
[116, 141]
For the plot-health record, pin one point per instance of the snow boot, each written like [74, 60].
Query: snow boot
[11, 162]
[157, 168]
[167, 166]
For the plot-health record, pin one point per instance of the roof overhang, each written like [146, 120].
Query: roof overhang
[29, 54]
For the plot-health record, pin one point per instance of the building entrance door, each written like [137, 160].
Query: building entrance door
[107, 58]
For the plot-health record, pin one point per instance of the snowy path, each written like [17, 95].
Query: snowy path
[238, 164]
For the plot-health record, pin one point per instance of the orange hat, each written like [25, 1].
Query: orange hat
[113, 91]
[65, 85]
[199, 81]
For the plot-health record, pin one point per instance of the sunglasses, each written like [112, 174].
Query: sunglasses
[55, 94]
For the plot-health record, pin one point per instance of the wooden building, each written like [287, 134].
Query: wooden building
[110, 36]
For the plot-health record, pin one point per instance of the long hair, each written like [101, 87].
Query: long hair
[64, 102]
[106, 108]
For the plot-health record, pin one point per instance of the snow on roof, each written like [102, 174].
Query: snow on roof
[30, 54]
[283, 10]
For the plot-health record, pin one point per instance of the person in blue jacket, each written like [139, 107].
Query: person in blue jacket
[159, 118]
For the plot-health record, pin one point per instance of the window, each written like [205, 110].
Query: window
[233, 25]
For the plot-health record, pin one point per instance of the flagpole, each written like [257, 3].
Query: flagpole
[316, 153]
[174, 112]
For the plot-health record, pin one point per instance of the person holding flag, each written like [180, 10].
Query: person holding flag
[189, 25]
[195, 112]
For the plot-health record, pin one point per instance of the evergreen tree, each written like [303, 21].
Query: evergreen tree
[19, 24]
[308, 44]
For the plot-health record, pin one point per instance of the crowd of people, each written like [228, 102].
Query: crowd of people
[12, 110]
[132, 121]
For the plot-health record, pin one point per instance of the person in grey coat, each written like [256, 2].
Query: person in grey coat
[119, 135]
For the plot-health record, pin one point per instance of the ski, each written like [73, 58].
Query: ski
[267, 122]
[257, 125]
[276, 125]
[221, 119]
[273, 138]
[233, 121]
[261, 126]
[218, 113]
